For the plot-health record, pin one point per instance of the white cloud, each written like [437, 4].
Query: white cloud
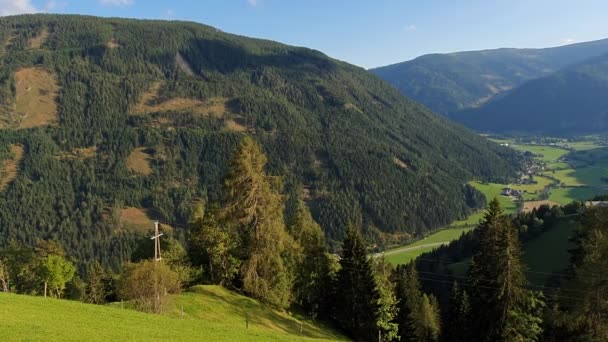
[12, 7]
[54, 5]
[567, 40]
[411, 28]
[253, 3]
[170, 13]
[116, 2]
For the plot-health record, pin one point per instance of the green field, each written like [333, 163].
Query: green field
[583, 145]
[396, 256]
[549, 153]
[211, 313]
[567, 195]
[586, 176]
[492, 190]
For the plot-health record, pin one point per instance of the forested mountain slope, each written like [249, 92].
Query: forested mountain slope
[106, 123]
[569, 102]
[447, 83]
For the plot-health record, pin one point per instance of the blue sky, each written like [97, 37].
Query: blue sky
[367, 32]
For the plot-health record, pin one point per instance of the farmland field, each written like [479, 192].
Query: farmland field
[405, 254]
[549, 153]
[211, 313]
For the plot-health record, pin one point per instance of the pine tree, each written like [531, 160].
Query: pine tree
[213, 247]
[501, 303]
[587, 318]
[357, 295]
[95, 290]
[418, 314]
[315, 267]
[254, 208]
[427, 321]
[388, 300]
[459, 315]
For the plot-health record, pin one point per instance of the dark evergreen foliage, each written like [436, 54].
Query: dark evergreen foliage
[324, 124]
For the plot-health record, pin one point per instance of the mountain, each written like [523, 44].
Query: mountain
[447, 83]
[572, 101]
[107, 124]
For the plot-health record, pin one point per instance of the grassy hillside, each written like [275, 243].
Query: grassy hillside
[447, 83]
[210, 313]
[569, 102]
[405, 254]
[146, 115]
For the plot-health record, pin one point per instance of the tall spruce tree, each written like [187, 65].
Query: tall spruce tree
[457, 328]
[357, 295]
[587, 318]
[407, 289]
[388, 300]
[315, 266]
[254, 208]
[501, 305]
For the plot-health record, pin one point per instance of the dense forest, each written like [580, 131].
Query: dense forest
[448, 83]
[99, 115]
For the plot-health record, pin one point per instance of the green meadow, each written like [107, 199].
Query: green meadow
[211, 313]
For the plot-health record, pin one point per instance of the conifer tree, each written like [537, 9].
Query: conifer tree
[407, 288]
[501, 304]
[95, 290]
[315, 267]
[427, 320]
[459, 315]
[388, 300]
[357, 295]
[587, 318]
[213, 247]
[254, 208]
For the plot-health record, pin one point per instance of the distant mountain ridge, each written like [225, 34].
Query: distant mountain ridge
[572, 101]
[448, 83]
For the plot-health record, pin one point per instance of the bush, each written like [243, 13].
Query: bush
[147, 284]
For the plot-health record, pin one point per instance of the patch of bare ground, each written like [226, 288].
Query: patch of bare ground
[139, 162]
[37, 41]
[351, 106]
[183, 64]
[214, 107]
[78, 153]
[236, 125]
[112, 44]
[400, 163]
[529, 206]
[135, 219]
[10, 167]
[36, 90]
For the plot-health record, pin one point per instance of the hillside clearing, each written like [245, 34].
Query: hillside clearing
[212, 314]
[10, 167]
[135, 219]
[215, 107]
[36, 90]
[139, 162]
[37, 41]
[112, 44]
[78, 153]
[183, 64]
